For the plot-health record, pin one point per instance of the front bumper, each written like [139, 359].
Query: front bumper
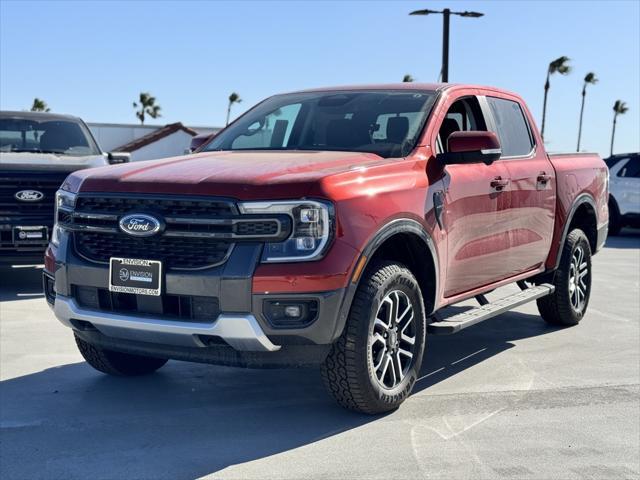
[241, 332]
[240, 324]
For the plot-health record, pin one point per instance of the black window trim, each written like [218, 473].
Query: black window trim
[494, 127]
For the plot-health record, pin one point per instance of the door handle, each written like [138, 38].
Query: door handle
[499, 183]
[543, 178]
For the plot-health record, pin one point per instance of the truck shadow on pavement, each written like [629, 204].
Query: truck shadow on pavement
[189, 420]
[21, 283]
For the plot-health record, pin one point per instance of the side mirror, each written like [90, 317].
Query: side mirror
[198, 141]
[115, 158]
[471, 147]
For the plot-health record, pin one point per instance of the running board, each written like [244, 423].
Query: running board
[484, 312]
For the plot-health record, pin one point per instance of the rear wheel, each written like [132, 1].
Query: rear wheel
[118, 363]
[568, 304]
[373, 366]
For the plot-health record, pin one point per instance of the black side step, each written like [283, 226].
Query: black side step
[484, 312]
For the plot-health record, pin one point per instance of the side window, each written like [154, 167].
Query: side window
[463, 116]
[631, 169]
[513, 130]
[273, 132]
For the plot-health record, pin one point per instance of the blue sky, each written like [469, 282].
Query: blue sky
[93, 58]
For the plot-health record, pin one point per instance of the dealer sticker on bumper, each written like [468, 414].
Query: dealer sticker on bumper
[141, 277]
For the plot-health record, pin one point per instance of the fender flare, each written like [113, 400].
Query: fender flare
[394, 227]
[579, 201]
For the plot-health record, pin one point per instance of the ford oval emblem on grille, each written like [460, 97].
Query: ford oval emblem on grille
[140, 225]
[29, 195]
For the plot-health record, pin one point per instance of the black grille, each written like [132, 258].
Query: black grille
[13, 182]
[163, 206]
[183, 307]
[197, 232]
[174, 252]
[257, 228]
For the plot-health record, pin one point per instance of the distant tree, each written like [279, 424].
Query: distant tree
[147, 106]
[590, 78]
[39, 106]
[559, 65]
[619, 108]
[233, 98]
[407, 78]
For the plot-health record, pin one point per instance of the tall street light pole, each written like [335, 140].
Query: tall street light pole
[446, 15]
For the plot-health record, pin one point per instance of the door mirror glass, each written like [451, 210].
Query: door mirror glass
[471, 147]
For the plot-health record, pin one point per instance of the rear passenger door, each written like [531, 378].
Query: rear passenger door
[529, 217]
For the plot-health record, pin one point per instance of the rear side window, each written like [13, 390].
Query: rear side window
[513, 130]
[631, 169]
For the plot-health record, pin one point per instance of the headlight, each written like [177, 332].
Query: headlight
[65, 202]
[311, 231]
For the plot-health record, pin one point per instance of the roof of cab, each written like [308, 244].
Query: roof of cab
[382, 86]
[39, 116]
[432, 87]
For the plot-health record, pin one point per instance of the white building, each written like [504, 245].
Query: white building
[146, 142]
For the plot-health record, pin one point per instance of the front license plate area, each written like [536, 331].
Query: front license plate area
[30, 235]
[140, 277]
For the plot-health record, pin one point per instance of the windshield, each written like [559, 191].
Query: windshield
[62, 137]
[387, 123]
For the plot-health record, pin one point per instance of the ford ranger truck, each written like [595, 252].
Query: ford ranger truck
[37, 152]
[327, 227]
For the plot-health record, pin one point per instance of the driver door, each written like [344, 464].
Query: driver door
[476, 198]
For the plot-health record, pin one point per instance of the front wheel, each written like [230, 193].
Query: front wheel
[568, 303]
[373, 366]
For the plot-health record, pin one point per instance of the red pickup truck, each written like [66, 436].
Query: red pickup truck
[327, 227]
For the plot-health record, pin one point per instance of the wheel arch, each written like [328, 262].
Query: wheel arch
[405, 241]
[582, 215]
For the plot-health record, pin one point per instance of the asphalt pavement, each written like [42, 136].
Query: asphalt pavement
[508, 398]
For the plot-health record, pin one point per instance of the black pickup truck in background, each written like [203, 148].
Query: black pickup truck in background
[37, 152]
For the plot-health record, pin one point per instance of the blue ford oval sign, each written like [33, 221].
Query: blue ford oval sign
[140, 225]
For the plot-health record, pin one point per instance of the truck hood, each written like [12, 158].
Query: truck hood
[48, 161]
[238, 174]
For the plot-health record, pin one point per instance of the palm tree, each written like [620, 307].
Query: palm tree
[233, 98]
[590, 78]
[39, 106]
[407, 78]
[148, 106]
[559, 65]
[619, 108]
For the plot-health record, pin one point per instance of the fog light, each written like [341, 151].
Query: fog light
[290, 313]
[293, 311]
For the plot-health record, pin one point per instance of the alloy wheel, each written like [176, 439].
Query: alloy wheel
[578, 278]
[392, 339]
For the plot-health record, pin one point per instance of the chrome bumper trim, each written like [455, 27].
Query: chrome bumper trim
[241, 331]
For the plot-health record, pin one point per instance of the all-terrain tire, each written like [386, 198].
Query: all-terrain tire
[348, 371]
[566, 306]
[118, 363]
